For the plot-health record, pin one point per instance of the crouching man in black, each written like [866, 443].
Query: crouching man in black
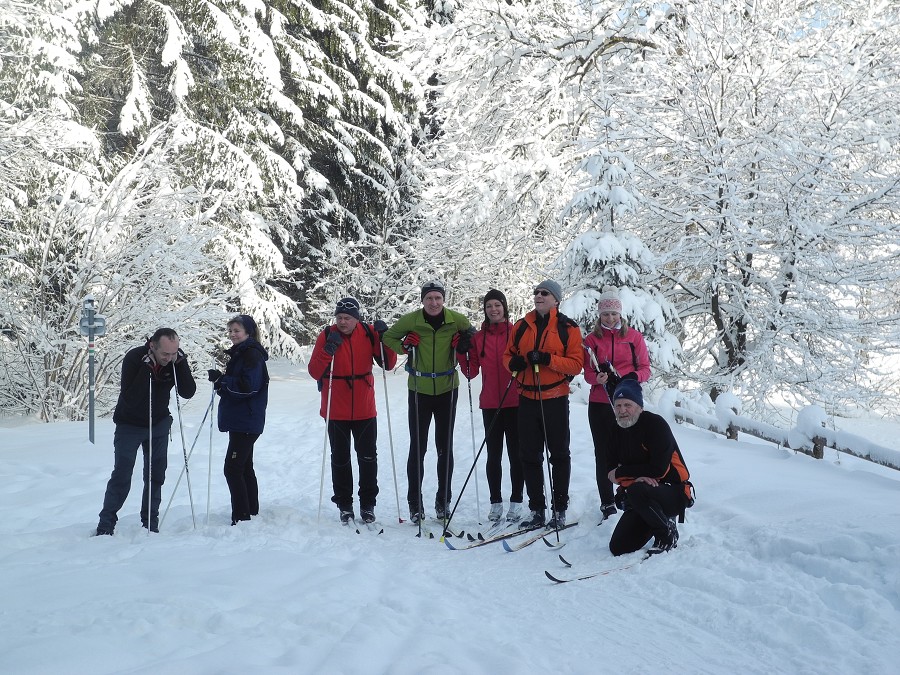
[644, 460]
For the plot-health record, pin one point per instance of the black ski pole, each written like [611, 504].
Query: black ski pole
[537, 377]
[420, 506]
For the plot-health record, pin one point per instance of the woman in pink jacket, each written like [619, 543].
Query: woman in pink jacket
[612, 352]
[499, 403]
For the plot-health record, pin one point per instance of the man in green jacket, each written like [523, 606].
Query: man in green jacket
[429, 337]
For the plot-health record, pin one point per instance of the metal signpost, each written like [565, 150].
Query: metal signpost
[92, 325]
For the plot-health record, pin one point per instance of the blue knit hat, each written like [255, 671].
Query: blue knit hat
[631, 390]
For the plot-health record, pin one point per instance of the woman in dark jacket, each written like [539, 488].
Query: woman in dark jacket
[244, 394]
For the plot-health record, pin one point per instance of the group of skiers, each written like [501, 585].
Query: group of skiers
[526, 368]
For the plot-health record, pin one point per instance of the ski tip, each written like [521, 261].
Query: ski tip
[449, 545]
[564, 561]
[507, 547]
[553, 578]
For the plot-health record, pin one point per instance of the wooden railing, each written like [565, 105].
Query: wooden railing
[810, 436]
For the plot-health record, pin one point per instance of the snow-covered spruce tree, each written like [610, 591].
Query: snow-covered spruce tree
[595, 261]
[512, 86]
[769, 159]
[305, 92]
[606, 255]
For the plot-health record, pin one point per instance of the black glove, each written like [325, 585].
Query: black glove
[612, 381]
[537, 358]
[622, 500]
[462, 341]
[214, 375]
[334, 341]
[630, 376]
[379, 326]
[517, 363]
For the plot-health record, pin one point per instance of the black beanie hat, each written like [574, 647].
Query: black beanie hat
[432, 286]
[494, 294]
[630, 389]
[349, 306]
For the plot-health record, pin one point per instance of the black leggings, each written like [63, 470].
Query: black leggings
[505, 425]
[602, 419]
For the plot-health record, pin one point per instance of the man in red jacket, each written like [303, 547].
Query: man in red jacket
[342, 361]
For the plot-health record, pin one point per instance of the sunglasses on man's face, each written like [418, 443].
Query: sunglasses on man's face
[541, 291]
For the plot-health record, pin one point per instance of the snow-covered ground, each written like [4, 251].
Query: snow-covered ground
[785, 565]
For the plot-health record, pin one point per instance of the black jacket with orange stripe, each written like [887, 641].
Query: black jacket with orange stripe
[648, 448]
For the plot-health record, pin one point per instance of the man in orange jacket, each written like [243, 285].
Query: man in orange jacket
[544, 363]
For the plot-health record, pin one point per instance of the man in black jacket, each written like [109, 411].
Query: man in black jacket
[143, 420]
[644, 460]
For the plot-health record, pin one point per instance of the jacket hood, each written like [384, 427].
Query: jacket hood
[249, 343]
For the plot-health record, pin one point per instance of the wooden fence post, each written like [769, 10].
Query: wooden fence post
[818, 447]
[731, 433]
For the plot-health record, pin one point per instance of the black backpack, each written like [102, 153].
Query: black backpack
[562, 322]
[371, 336]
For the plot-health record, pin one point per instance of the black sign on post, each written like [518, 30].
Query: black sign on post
[92, 325]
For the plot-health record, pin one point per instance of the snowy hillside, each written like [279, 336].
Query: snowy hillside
[785, 565]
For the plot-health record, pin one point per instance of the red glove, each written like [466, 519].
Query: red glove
[410, 340]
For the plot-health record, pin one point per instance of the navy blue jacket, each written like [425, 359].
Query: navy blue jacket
[244, 389]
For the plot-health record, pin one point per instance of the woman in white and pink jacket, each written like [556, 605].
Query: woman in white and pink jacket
[612, 352]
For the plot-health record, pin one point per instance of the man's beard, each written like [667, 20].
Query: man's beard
[626, 422]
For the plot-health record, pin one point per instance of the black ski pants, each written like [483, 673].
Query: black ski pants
[422, 409]
[602, 419]
[241, 477]
[364, 434]
[647, 513]
[506, 425]
[539, 421]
